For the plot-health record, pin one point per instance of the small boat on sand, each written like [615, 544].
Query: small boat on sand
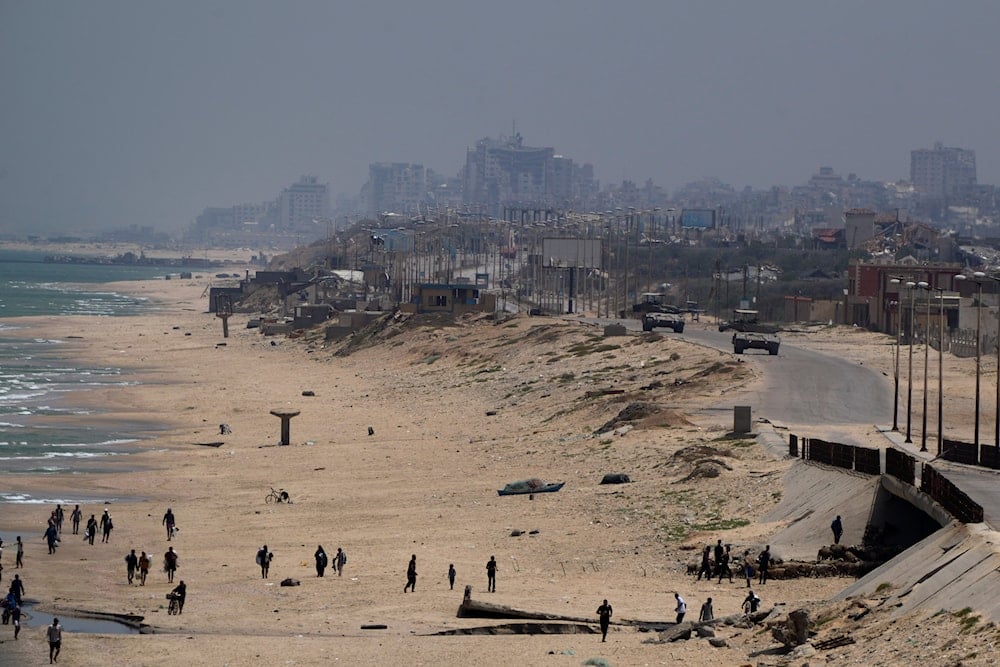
[533, 485]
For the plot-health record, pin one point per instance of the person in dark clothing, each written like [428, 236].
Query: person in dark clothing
[59, 515]
[51, 537]
[170, 559]
[321, 560]
[724, 569]
[706, 563]
[764, 562]
[751, 603]
[719, 549]
[75, 516]
[411, 575]
[106, 526]
[604, 614]
[491, 574]
[131, 564]
[19, 555]
[91, 529]
[180, 590]
[451, 576]
[17, 589]
[169, 522]
[15, 616]
[264, 558]
[838, 529]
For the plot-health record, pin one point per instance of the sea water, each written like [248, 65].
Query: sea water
[41, 430]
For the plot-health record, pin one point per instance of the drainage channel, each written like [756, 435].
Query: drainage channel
[97, 625]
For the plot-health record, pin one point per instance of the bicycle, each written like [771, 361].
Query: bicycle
[174, 607]
[279, 496]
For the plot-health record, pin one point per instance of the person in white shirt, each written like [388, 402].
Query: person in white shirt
[681, 607]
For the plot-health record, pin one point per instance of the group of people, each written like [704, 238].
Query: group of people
[104, 526]
[411, 575]
[323, 560]
[137, 566]
[720, 566]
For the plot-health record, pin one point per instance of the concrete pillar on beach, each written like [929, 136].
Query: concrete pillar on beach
[286, 423]
[741, 419]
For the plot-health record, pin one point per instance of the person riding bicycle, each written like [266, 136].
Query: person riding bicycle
[179, 593]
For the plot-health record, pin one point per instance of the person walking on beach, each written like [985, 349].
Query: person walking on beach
[321, 560]
[19, 554]
[144, 563]
[264, 560]
[411, 575]
[131, 564]
[91, 529]
[724, 569]
[54, 635]
[168, 521]
[706, 563]
[170, 564]
[491, 574]
[706, 613]
[838, 529]
[451, 576]
[59, 517]
[681, 608]
[75, 517]
[106, 526]
[17, 589]
[719, 550]
[51, 537]
[339, 561]
[764, 561]
[747, 567]
[604, 614]
[15, 617]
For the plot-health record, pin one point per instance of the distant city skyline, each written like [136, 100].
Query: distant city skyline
[118, 113]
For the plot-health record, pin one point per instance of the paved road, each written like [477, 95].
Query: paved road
[805, 387]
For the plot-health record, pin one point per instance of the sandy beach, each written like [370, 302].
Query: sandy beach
[458, 409]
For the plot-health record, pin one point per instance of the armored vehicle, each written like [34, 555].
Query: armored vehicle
[746, 320]
[744, 340]
[672, 320]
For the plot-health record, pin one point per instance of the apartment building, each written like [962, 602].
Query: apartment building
[303, 202]
[943, 172]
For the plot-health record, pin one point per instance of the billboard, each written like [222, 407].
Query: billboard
[582, 253]
[698, 218]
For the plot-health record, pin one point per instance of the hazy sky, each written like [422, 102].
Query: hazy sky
[144, 111]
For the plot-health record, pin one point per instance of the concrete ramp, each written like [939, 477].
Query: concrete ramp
[956, 567]
[813, 495]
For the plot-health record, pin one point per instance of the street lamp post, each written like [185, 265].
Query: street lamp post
[996, 441]
[909, 373]
[977, 278]
[940, 412]
[896, 280]
[927, 346]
